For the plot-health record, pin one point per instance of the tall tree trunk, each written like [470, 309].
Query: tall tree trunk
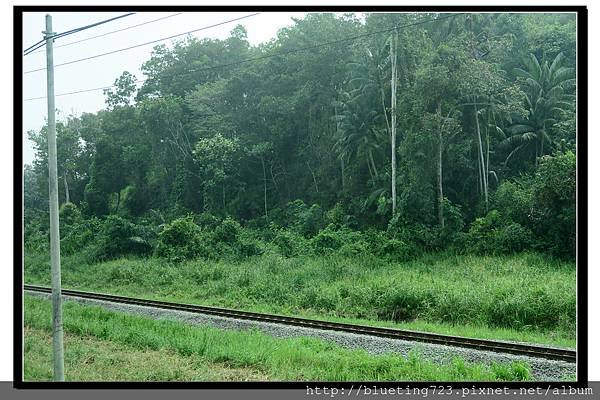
[118, 201]
[66, 188]
[223, 191]
[337, 133]
[313, 176]
[439, 169]
[483, 177]
[393, 101]
[370, 169]
[343, 175]
[264, 184]
[487, 151]
[373, 163]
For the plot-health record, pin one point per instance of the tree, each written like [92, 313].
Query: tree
[216, 157]
[123, 92]
[547, 95]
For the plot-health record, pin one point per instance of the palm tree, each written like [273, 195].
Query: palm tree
[359, 135]
[546, 87]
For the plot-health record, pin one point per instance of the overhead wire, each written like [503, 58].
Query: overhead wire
[143, 44]
[352, 38]
[37, 45]
[115, 31]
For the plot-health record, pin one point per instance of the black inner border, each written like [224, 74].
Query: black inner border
[582, 211]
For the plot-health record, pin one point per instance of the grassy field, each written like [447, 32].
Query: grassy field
[105, 345]
[525, 297]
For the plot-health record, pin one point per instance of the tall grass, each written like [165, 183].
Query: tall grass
[526, 292]
[305, 359]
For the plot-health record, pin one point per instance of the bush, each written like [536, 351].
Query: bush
[207, 221]
[290, 243]
[118, 237]
[494, 234]
[69, 215]
[327, 240]
[355, 248]
[416, 237]
[227, 231]
[513, 199]
[248, 247]
[303, 219]
[182, 240]
[513, 238]
[336, 216]
[554, 205]
[135, 200]
[80, 236]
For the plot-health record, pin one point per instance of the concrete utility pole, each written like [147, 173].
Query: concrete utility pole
[393, 42]
[57, 326]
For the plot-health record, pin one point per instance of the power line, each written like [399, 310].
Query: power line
[143, 44]
[115, 31]
[352, 38]
[37, 45]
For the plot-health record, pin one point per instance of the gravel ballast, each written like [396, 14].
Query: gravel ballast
[541, 369]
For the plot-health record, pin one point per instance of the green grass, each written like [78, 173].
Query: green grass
[525, 297]
[255, 353]
[91, 359]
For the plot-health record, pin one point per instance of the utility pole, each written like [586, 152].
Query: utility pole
[394, 40]
[57, 326]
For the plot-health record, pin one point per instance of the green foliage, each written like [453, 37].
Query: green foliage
[495, 234]
[554, 192]
[96, 200]
[248, 247]
[327, 240]
[290, 243]
[228, 231]
[118, 237]
[181, 240]
[81, 236]
[36, 231]
[527, 292]
[69, 214]
[207, 221]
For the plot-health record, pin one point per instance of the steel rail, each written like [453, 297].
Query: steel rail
[535, 351]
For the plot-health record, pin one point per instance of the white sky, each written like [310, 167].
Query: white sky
[104, 70]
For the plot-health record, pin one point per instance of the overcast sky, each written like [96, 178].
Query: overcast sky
[104, 70]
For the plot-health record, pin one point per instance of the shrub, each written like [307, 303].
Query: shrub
[227, 231]
[336, 216]
[248, 247]
[513, 199]
[305, 220]
[311, 220]
[182, 240]
[135, 200]
[80, 236]
[207, 221]
[416, 236]
[327, 240]
[494, 234]
[481, 236]
[554, 205]
[118, 237]
[355, 248]
[513, 238]
[289, 243]
[399, 250]
[36, 227]
[69, 215]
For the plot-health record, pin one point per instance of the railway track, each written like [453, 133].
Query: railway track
[528, 350]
